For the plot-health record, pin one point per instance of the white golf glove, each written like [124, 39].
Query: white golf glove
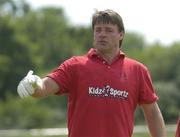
[29, 84]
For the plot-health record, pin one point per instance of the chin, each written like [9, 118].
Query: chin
[103, 49]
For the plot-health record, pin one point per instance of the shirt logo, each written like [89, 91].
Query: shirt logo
[108, 91]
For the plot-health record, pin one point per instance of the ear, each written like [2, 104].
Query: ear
[121, 35]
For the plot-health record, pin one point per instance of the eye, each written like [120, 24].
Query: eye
[109, 30]
[98, 30]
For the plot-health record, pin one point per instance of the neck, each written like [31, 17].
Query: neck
[109, 56]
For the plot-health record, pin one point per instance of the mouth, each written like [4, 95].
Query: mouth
[102, 42]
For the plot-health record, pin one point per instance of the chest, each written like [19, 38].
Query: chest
[116, 81]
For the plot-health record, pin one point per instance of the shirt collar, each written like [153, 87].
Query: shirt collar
[93, 53]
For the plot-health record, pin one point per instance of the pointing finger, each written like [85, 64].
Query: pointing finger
[29, 73]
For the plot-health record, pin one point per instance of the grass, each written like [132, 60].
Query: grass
[169, 134]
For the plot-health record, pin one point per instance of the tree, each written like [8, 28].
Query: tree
[13, 55]
[133, 42]
[169, 98]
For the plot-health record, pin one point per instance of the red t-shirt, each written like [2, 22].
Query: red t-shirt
[178, 128]
[102, 98]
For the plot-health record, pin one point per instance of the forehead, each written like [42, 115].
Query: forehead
[106, 25]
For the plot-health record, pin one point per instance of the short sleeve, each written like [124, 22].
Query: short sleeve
[146, 91]
[63, 76]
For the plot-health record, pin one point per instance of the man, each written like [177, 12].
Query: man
[103, 87]
[178, 128]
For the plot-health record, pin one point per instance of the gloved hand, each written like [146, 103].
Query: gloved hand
[29, 84]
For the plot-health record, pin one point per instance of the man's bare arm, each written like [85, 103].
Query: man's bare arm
[49, 87]
[154, 120]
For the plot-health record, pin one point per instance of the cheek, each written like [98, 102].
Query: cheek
[114, 38]
[117, 37]
[96, 37]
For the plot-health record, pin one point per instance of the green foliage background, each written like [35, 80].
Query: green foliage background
[41, 39]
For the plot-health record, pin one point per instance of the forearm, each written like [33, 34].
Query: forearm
[155, 121]
[49, 87]
[156, 126]
[40, 92]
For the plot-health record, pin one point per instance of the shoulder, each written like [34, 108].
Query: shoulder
[76, 60]
[135, 64]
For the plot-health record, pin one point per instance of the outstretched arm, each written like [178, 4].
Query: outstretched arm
[154, 120]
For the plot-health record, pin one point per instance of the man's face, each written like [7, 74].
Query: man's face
[107, 37]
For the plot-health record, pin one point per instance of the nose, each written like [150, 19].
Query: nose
[102, 33]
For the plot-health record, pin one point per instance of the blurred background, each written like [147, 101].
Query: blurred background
[41, 37]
